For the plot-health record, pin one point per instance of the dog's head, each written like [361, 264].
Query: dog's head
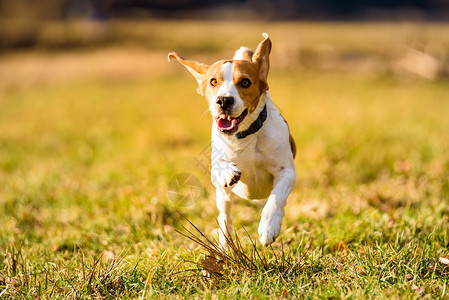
[232, 87]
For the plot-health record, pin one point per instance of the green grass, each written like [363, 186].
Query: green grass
[86, 159]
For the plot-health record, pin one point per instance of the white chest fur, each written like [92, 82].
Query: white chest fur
[260, 156]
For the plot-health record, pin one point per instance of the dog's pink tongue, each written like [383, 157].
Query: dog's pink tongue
[226, 123]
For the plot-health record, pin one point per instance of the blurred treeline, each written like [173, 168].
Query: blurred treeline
[30, 23]
[418, 46]
[272, 9]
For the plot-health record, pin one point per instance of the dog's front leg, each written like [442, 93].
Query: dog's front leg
[224, 176]
[224, 205]
[271, 220]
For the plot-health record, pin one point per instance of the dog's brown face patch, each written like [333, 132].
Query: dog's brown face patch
[213, 80]
[245, 77]
[248, 83]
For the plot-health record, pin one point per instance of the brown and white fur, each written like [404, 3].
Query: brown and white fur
[259, 165]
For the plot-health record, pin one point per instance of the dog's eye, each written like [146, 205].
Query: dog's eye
[245, 83]
[213, 82]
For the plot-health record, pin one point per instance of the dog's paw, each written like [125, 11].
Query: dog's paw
[270, 224]
[232, 175]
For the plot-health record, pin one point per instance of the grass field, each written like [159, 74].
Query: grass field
[90, 140]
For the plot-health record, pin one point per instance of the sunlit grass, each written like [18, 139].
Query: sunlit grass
[85, 161]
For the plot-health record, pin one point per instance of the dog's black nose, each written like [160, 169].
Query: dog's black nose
[225, 101]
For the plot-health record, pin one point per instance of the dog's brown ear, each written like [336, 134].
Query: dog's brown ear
[197, 69]
[261, 57]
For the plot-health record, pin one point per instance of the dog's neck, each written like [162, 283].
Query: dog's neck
[255, 126]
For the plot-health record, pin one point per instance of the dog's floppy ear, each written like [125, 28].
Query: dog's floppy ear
[261, 57]
[197, 69]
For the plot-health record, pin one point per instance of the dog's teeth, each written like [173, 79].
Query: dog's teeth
[229, 118]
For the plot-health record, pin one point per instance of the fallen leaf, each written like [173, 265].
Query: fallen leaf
[284, 293]
[444, 260]
[212, 265]
[341, 246]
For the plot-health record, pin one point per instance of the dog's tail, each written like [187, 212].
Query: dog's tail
[243, 53]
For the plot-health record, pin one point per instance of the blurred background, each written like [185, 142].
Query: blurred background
[415, 42]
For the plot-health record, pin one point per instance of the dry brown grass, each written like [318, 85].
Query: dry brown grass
[238, 261]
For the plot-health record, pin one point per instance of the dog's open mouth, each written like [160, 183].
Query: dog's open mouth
[228, 124]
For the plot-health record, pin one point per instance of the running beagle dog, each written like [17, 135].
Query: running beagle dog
[252, 149]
